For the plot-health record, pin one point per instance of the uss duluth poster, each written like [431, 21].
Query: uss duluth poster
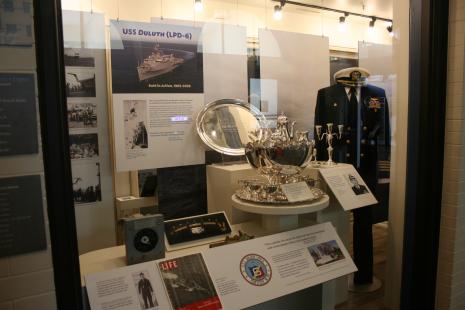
[157, 84]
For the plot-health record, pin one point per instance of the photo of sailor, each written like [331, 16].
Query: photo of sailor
[145, 291]
[325, 253]
[86, 183]
[357, 188]
[82, 115]
[80, 82]
[135, 118]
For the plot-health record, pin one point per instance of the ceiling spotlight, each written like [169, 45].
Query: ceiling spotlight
[278, 12]
[198, 6]
[371, 26]
[372, 22]
[342, 22]
[389, 29]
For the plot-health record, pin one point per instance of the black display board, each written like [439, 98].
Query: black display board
[22, 227]
[182, 191]
[18, 118]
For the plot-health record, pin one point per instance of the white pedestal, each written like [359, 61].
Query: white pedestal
[280, 223]
[278, 218]
[222, 182]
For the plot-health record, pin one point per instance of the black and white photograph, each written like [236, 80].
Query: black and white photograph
[196, 228]
[83, 146]
[135, 120]
[86, 183]
[147, 180]
[325, 253]
[357, 187]
[80, 82]
[82, 115]
[79, 57]
[189, 284]
[145, 290]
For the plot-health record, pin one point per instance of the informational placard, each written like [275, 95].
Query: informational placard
[297, 191]
[128, 288]
[157, 83]
[258, 270]
[348, 186]
[22, 227]
[18, 118]
[235, 276]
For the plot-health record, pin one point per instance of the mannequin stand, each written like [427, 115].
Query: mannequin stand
[364, 288]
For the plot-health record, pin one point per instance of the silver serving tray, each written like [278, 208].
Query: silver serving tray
[244, 194]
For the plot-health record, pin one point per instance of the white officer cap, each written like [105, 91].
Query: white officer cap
[351, 77]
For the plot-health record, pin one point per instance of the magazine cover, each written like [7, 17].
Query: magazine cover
[189, 284]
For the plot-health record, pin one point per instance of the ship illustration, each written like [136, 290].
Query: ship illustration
[161, 61]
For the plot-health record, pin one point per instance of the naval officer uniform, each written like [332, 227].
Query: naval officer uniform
[363, 110]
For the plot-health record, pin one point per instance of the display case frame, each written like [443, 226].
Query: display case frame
[428, 64]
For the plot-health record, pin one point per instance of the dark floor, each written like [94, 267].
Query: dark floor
[374, 300]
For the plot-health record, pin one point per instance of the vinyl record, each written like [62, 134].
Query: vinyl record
[145, 240]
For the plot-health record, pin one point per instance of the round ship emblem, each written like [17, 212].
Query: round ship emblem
[255, 269]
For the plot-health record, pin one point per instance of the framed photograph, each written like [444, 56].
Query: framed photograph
[80, 82]
[79, 57]
[83, 146]
[86, 183]
[326, 253]
[196, 230]
[82, 115]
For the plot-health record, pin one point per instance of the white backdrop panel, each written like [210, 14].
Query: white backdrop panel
[377, 59]
[224, 58]
[84, 33]
[225, 66]
[299, 63]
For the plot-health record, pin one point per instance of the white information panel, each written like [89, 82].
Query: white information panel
[234, 276]
[297, 191]
[299, 63]
[135, 287]
[258, 270]
[157, 84]
[86, 88]
[348, 187]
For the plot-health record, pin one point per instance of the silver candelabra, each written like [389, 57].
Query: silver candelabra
[329, 139]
